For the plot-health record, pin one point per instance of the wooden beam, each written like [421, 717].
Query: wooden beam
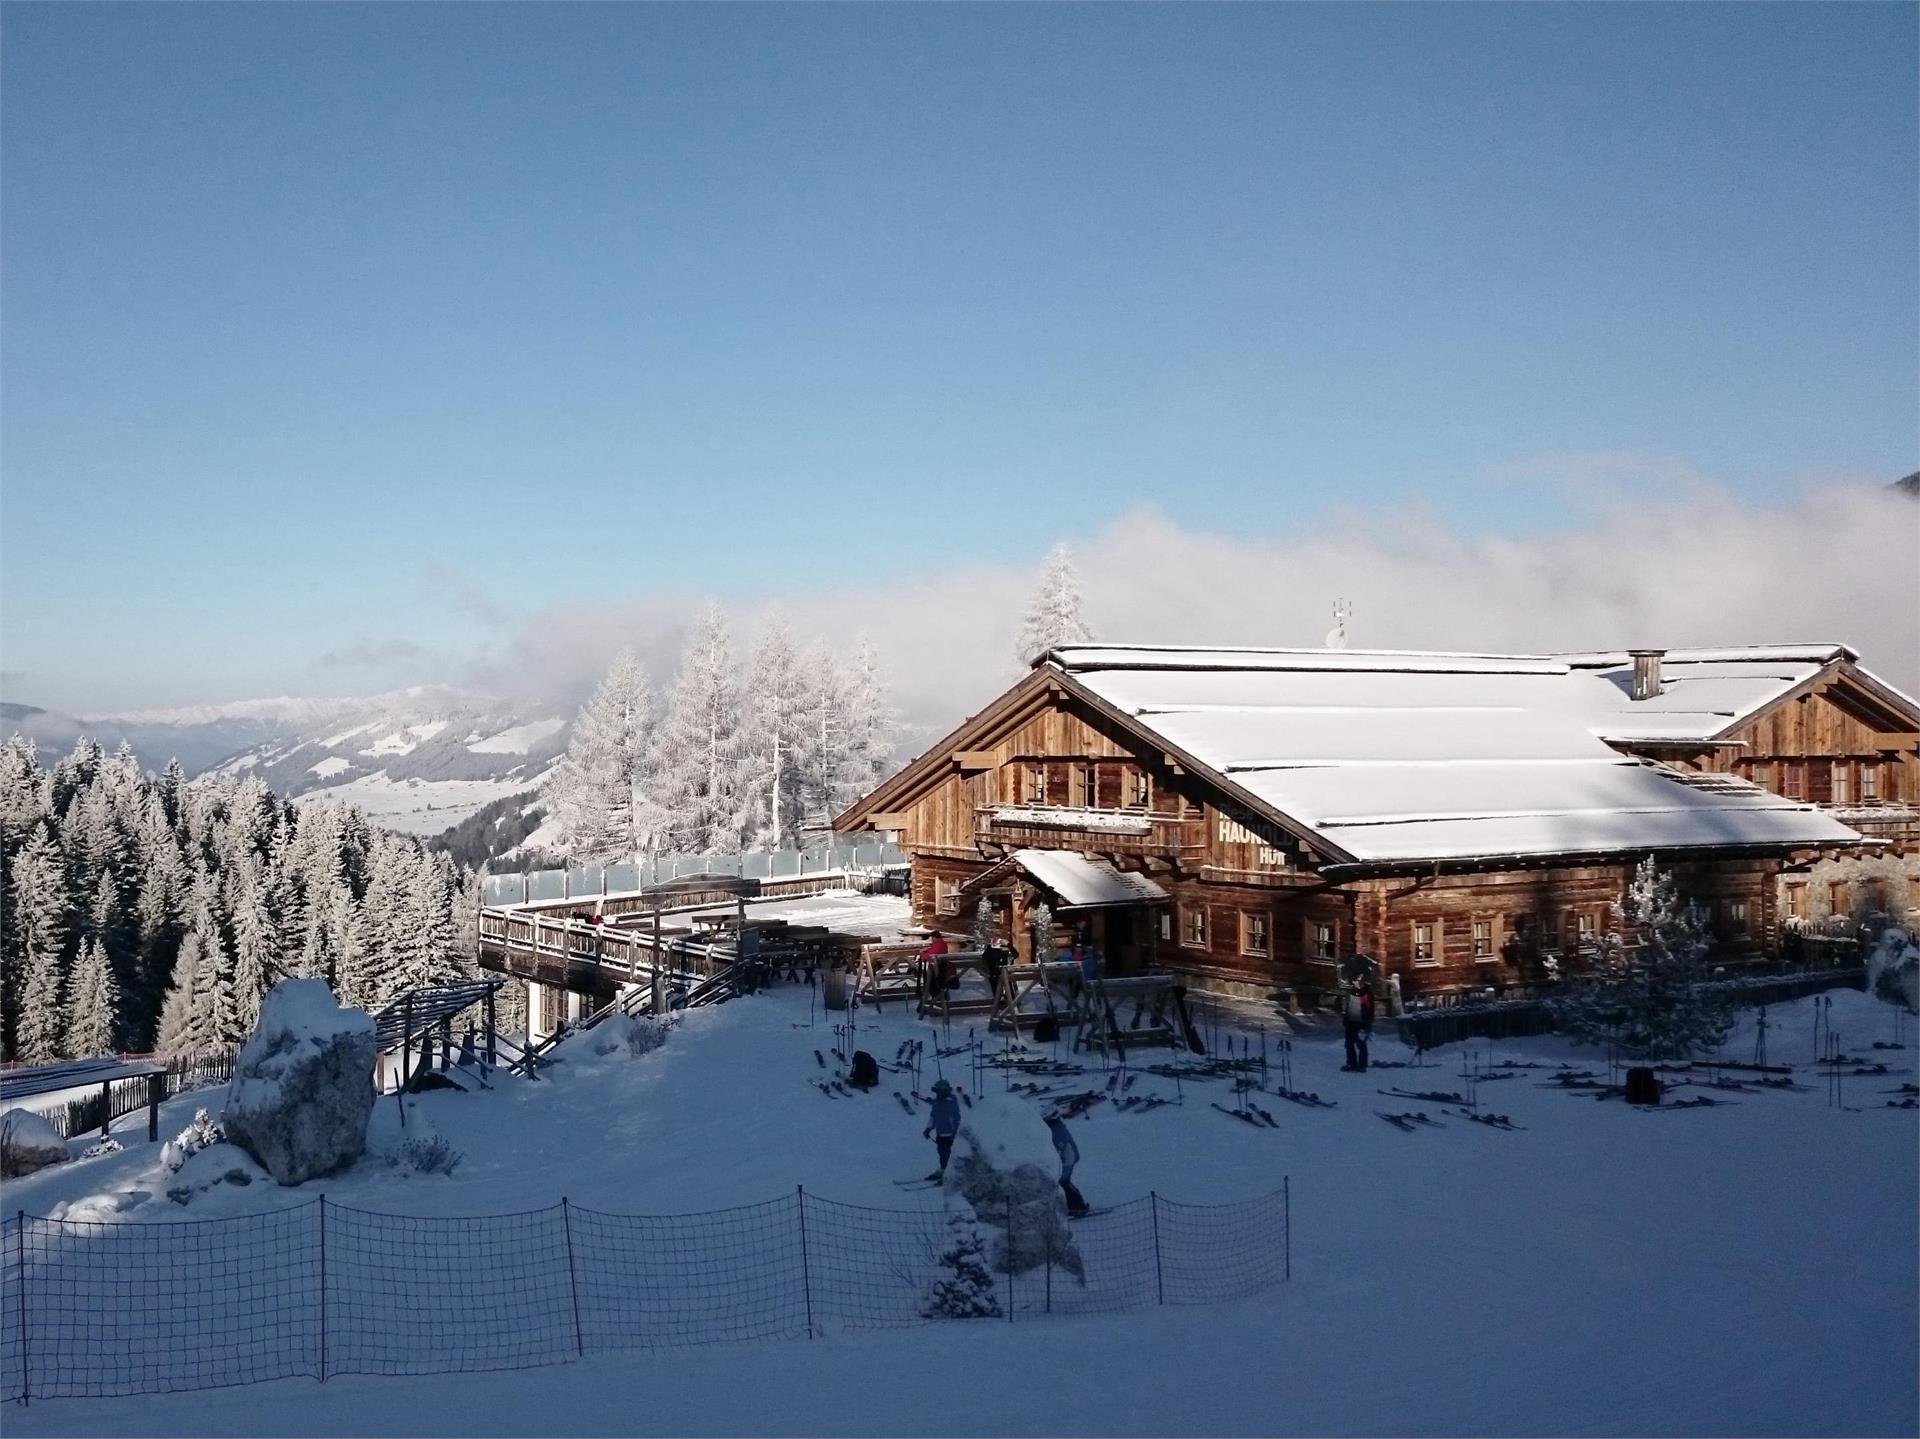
[894, 820]
[971, 761]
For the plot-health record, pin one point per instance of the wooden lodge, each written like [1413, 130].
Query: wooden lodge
[1248, 818]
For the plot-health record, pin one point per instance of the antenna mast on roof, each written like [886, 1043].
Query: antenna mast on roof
[1337, 636]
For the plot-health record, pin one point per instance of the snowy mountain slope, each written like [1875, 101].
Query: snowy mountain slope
[419, 759]
[1743, 1269]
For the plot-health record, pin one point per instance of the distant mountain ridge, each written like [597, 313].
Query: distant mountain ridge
[419, 759]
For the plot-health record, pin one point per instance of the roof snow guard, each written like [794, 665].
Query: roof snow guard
[1082, 883]
[1394, 758]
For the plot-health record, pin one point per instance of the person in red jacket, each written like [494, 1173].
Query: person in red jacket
[1356, 1013]
[936, 954]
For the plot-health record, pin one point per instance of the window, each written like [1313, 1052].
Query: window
[1837, 897]
[1842, 782]
[1253, 934]
[1423, 947]
[1737, 922]
[1583, 930]
[1036, 784]
[1761, 774]
[1790, 779]
[1483, 939]
[1193, 926]
[1869, 783]
[1086, 787]
[946, 896]
[1549, 941]
[1325, 943]
[1796, 901]
[1142, 790]
[1166, 926]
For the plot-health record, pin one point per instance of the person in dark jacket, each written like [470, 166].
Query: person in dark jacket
[1356, 1014]
[1069, 1153]
[942, 1124]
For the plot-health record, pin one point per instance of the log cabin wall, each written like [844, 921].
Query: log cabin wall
[1834, 744]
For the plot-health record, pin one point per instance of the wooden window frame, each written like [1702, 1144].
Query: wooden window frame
[1839, 897]
[1188, 913]
[1084, 776]
[1796, 900]
[1166, 925]
[1585, 931]
[1870, 782]
[1841, 784]
[1760, 772]
[1491, 954]
[1332, 928]
[1739, 916]
[1140, 788]
[1435, 942]
[1036, 786]
[1793, 783]
[1252, 923]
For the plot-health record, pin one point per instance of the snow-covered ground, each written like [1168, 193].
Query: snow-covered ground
[519, 739]
[1744, 1269]
[417, 806]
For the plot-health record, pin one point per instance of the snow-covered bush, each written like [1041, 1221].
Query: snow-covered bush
[962, 1286]
[1045, 951]
[1646, 993]
[203, 1133]
[1893, 969]
[633, 1033]
[28, 1142]
[426, 1154]
[108, 1145]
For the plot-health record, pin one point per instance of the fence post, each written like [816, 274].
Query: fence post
[1286, 1224]
[1009, 1259]
[26, 1365]
[806, 1274]
[1159, 1276]
[573, 1274]
[323, 1289]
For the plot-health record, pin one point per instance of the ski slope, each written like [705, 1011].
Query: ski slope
[1742, 1269]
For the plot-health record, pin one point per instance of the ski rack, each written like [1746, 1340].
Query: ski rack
[1059, 983]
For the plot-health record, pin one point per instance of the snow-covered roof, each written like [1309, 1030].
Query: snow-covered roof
[1083, 883]
[1394, 756]
[1703, 692]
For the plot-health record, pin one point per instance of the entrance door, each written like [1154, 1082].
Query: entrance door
[1120, 955]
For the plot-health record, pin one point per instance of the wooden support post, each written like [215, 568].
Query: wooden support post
[490, 1030]
[156, 1091]
[406, 1055]
[446, 1043]
[106, 1108]
[659, 965]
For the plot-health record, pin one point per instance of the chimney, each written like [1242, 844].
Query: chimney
[1646, 673]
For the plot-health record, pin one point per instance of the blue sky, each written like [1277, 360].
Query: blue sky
[341, 340]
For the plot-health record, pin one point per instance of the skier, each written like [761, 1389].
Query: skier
[1069, 1153]
[1357, 1015]
[942, 1124]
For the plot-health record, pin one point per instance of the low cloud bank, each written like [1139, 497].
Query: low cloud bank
[1697, 567]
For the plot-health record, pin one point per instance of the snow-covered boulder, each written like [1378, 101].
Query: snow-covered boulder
[303, 1086]
[1893, 969]
[28, 1141]
[1005, 1166]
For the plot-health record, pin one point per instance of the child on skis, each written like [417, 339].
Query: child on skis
[942, 1125]
[1069, 1153]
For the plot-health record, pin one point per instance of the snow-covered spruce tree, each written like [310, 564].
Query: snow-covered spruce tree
[1044, 949]
[697, 757]
[600, 791]
[1054, 615]
[92, 1004]
[776, 739]
[1647, 991]
[37, 925]
[963, 1286]
[872, 724]
[255, 964]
